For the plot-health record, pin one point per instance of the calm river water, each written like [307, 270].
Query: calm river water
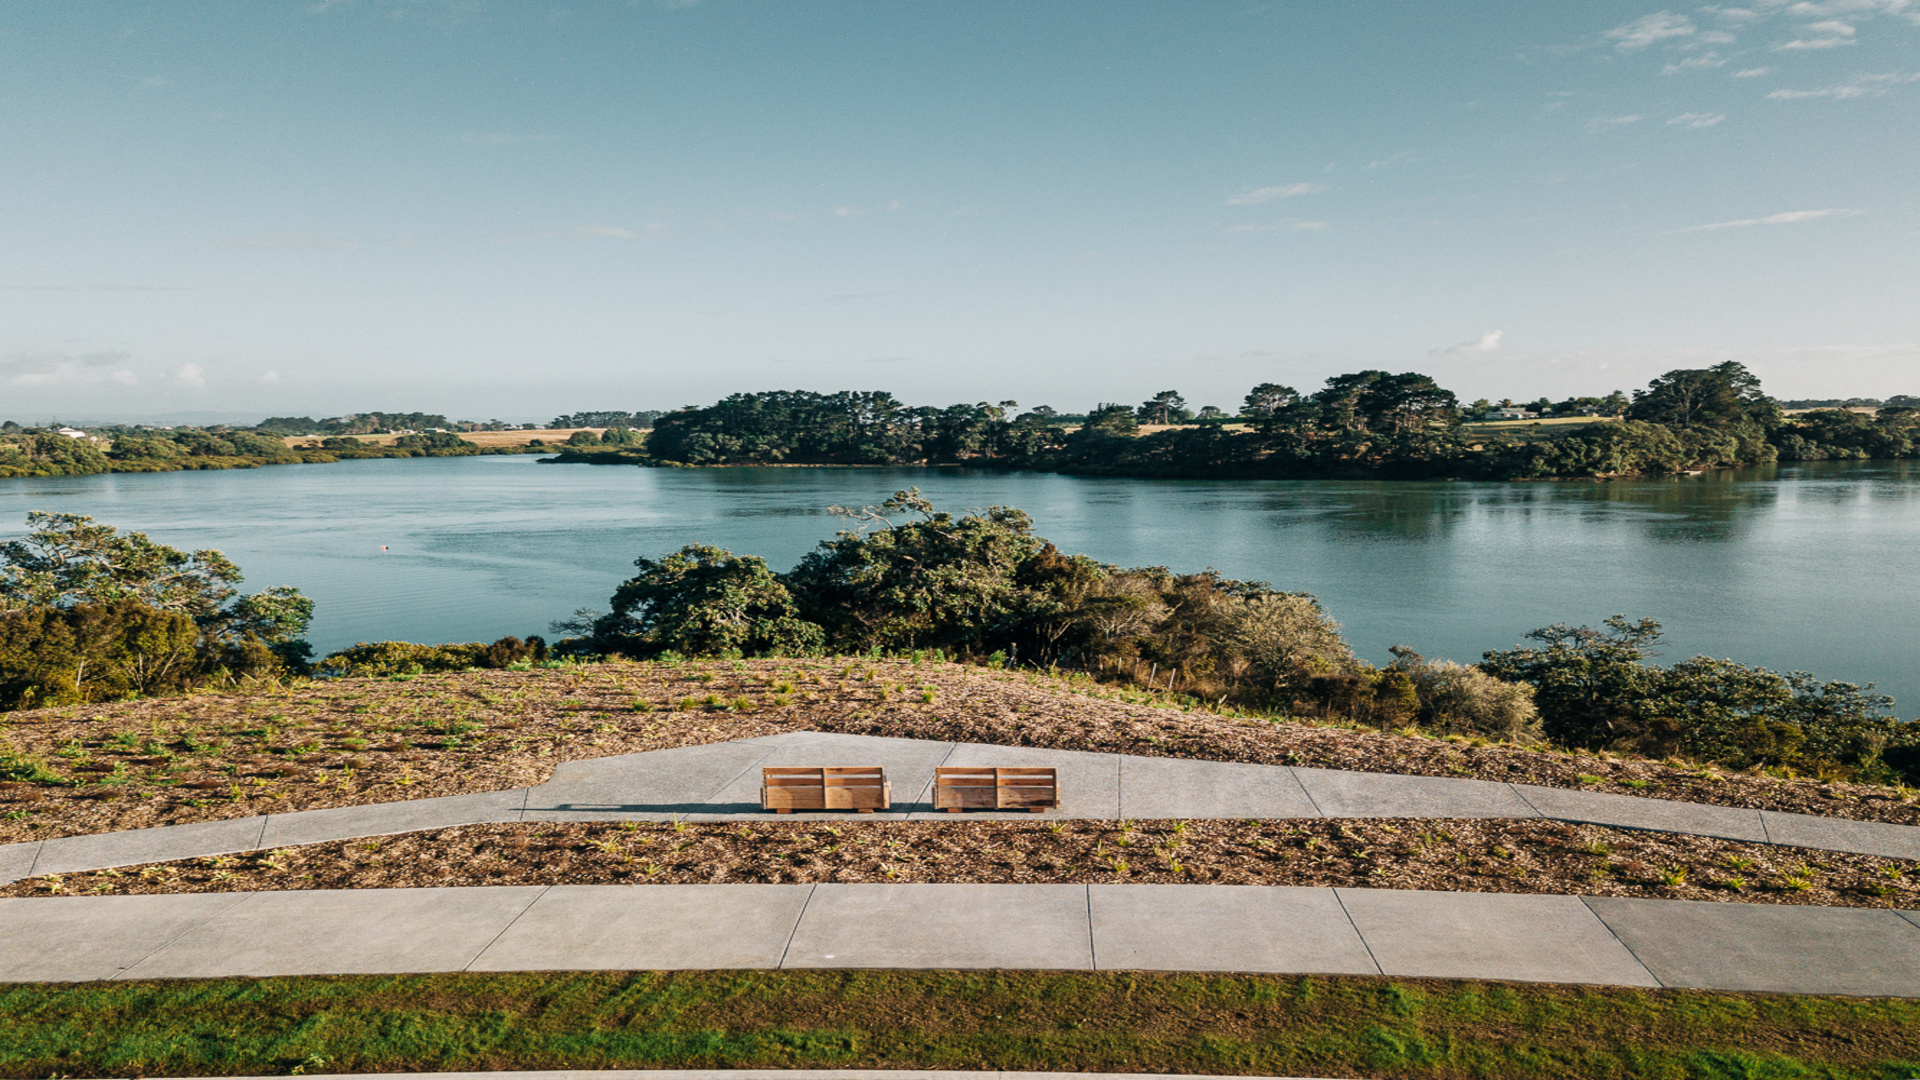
[1812, 567]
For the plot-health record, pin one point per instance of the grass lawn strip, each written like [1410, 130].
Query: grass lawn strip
[1070, 1022]
[1466, 855]
[168, 761]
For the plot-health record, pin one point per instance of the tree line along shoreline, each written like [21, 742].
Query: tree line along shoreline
[1363, 425]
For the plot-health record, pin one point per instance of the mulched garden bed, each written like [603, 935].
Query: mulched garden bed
[1473, 855]
[211, 756]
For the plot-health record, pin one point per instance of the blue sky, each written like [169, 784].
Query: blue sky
[515, 209]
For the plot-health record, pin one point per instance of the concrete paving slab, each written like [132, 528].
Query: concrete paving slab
[1360, 794]
[649, 786]
[70, 853]
[1224, 928]
[1177, 788]
[380, 819]
[1089, 783]
[650, 928]
[76, 938]
[1490, 936]
[1841, 834]
[944, 926]
[909, 764]
[342, 932]
[16, 860]
[1634, 812]
[1768, 947]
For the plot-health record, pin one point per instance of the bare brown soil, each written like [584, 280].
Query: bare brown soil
[351, 742]
[1472, 855]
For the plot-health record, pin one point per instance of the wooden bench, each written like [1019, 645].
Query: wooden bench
[861, 788]
[966, 788]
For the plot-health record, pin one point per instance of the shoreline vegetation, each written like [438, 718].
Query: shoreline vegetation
[1368, 424]
[1362, 425]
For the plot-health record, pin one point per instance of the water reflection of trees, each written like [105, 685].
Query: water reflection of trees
[1718, 508]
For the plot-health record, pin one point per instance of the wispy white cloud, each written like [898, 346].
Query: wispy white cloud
[1750, 73]
[98, 286]
[893, 207]
[1856, 87]
[57, 369]
[287, 241]
[1831, 34]
[500, 138]
[1648, 29]
[1697, 119]
[1601, 122]
[1269, 194]
[192, 375]
[1791, 217]
[1488, 342]
[1392, 159]
[1283, 225]
[270, 378]
[618, 232]
[1706, 60]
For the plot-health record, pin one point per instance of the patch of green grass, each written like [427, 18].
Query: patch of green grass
[1105, 1021]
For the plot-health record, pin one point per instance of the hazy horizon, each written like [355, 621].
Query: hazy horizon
[485, 210]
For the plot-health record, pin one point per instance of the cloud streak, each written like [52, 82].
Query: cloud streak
[1857, 87]
[1489, 342]
[1791, 217]
[1648, 29]
[1268, 194]
[289, 241]
[61, 369]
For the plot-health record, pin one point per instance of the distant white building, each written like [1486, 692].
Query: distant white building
[1510, 414]
[73, 433]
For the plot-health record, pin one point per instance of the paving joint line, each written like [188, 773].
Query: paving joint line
[1364, 943]
[468, 966]
[1764, 831]
[1093, 945]
[31, 866]
[1601, 919]
[1304, 790]
[1912, 917]
[1522, 796]
[260, 841]
[795, 932]
[175, 939]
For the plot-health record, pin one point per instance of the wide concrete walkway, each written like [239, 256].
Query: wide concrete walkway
[722, 781]
[1216, 928]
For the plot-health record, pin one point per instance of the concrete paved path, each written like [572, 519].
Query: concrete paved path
[1220, 928]
[722, 781]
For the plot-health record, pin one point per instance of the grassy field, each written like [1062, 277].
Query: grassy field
[1108, 1021]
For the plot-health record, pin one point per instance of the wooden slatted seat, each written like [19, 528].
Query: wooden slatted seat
[968, 788]
[863, 788]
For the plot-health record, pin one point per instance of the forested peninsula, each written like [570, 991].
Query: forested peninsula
[1365, 424]
[50, 453]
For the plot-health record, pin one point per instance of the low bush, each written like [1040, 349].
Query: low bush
[387, 658]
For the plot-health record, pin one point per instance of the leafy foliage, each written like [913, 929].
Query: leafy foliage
[703, 601]
[386, 658]
[1596, 689]
[89, 613]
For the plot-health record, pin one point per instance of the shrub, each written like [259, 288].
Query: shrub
[383, 658]
[99, 652]
[1459, 700]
